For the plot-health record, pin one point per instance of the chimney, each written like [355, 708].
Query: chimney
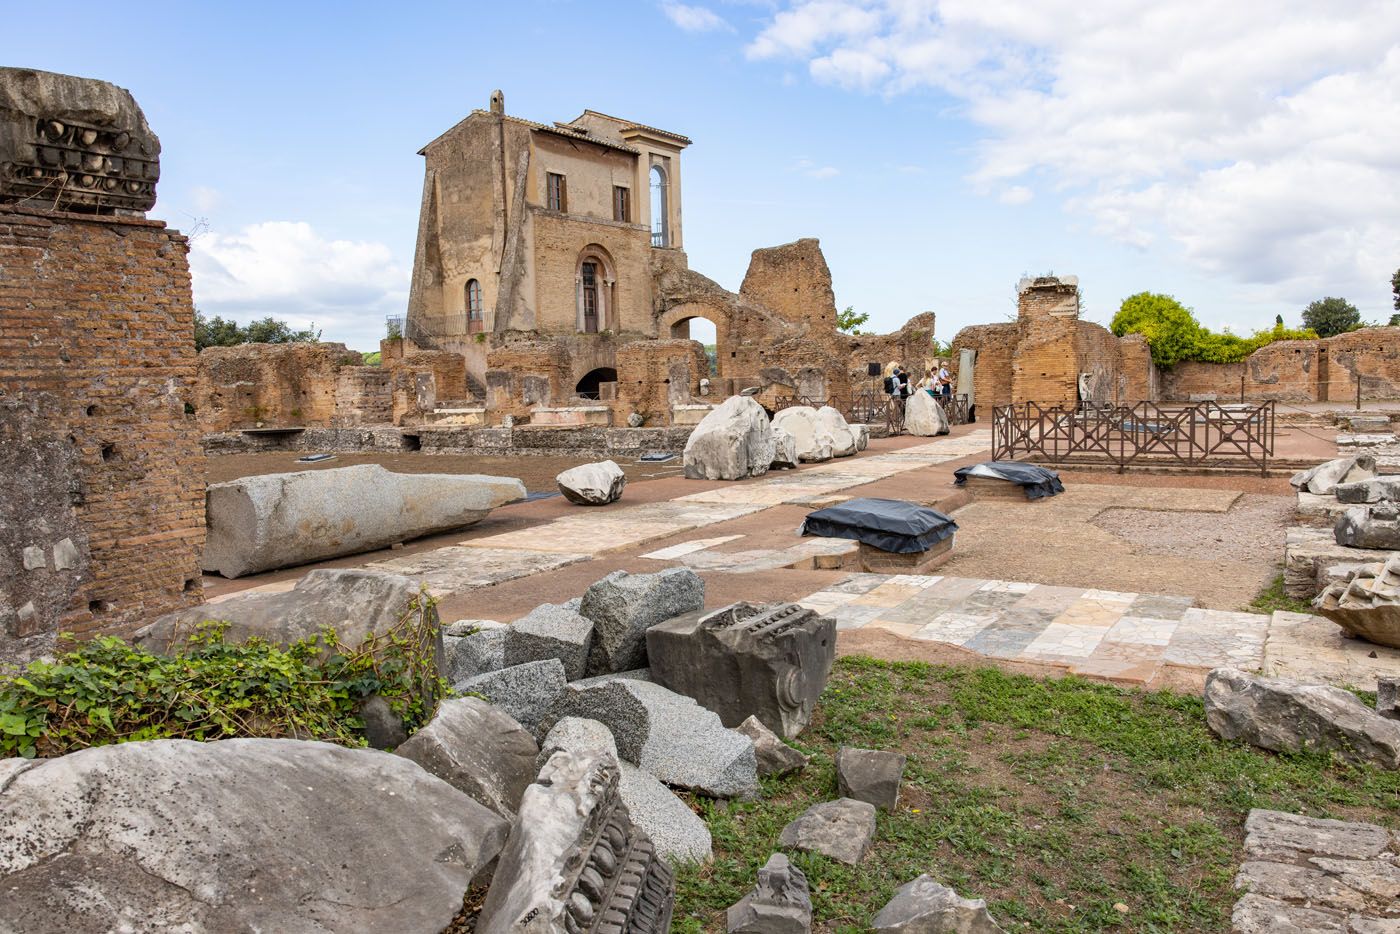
[498, 101]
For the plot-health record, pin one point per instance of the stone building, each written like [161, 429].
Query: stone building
[101, 469]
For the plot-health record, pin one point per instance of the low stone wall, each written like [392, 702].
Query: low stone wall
[591, 441]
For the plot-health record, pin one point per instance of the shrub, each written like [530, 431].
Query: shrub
[108, 691]
[1174, 335]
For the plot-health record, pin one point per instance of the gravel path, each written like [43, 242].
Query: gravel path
[1252, 530]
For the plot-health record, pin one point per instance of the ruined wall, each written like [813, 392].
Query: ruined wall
[558, 241]
[995, 345]
[652, 376]
[525, 372]
[1299, 371]
[793, 281]
[911, 346]
[103, 473]
[1371, 353]
[363, 396]
[1141, 380]
[271, 384]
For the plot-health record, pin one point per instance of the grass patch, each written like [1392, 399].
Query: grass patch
[1273, 598]
[1055, 800]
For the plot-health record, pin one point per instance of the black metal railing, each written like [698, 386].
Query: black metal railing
[1206, 434]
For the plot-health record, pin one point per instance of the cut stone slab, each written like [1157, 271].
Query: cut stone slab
[355, 603]
[1376, 490]
[1368, 424]
[925, 906]
[551, 631]
[732, 442]
[575, 861]
[592, 484]
[282, 520]
[623, 606]
[844, 443]
[784, 449]
[779, 904]
[666, 734]
[1367, 603]
[478, 749]
[841, 830]
[924, 416]
[810, 434]
[1286, 716]
[525, 692]
[1375, 526]
[771, 662]
[236, 835]
[774, 756]
[1325, 477]
[870, 775]
[1309, 552]
[862, 433]
[474, 647]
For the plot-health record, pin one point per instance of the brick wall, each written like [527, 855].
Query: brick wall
[272, 384]
[654, 375]
[1299, 371]
[97, 362]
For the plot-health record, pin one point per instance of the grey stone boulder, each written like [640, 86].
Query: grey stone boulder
[924, 416]
[1388, 698]
[1366, 603]
[478, 749]
[623, 606]
[355, 603]
[844, 441]
[384, 729]
[862, 433]
[810, 434]
[924, 906]
[732, 442]
[870, 775]
[779, 904]
[474, 647]
[666, 734]
[1384, 489]
[592, 484]
[281, 520]
[236, 835]
[525, 692]
[841, 830]
[1324, 478]
[746, 660]
[1287, 716]
[774, 756]
[575, 861]
[1376, 526]
[784, 449]
[675, 830]
[551, 631]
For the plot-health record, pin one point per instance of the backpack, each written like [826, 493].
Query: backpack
[889, 385]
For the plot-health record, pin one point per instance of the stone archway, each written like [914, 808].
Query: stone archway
[675, 324]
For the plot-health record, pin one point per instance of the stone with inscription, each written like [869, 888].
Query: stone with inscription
[732, 442]
[768, 661]
[592, 484]
[575, 862]
[779, 904]
[925, 906]
[623, 606]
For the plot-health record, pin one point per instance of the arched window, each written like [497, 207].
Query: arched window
[474, 318]
[660, 228]
[596, 290]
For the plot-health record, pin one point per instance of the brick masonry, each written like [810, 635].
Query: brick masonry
[97, 363]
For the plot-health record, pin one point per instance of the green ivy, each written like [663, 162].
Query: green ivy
[108, 691]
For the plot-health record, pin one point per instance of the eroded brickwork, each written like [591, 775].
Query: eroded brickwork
[1299, 371]
[97, 364]
[652, 376]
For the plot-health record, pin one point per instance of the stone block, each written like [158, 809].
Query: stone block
[577, 735]
[774, 756]
[575, 861]
[1324, 478]
[924, 416]
[478, 749]
[732, 442]
[1388, 698]
[666, 734]
[784, 449]
[878, 561]
[1375, 527]
[1376, 490]
[551, 631]
[280, 520]
[624, 606]
[383, 728]
[811, 436]
[1287, 716]
[924, 906]
[844, 443]
[779, 904]
[1367, 603]
[841, 830]
[771, 662]
[869, 775]
[474, 647]
[526, 692]
[592, 484]
[1368, 423]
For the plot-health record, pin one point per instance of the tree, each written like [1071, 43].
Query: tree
[1278, 321]
[1395, 290]
[1330, 316]
[850, 322]
[1395, 320]
[1172, 332]
[218, 332]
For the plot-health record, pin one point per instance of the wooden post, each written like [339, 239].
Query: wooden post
[1241, 389]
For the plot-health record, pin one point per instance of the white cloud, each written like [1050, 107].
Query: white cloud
[694, 18]
[810, 169]
[287, 270]
[1260, 138]
[206, 199]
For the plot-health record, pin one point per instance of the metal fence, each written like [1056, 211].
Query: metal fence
[1205, 434]
[872, 407]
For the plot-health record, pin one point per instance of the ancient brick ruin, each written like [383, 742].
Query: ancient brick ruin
[101, 461]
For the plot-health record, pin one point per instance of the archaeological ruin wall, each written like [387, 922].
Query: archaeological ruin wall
[1324, 370]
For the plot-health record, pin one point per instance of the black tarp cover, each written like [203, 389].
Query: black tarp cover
[1036, 481]
[888, 524]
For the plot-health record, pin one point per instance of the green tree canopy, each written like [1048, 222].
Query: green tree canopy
[850, 322]
[1174, 335]
[1395, 290]
[1395, 320]
[218, 332]
[1329, 316]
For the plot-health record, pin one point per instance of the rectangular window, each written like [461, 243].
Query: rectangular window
[622, 208]
[557, 193]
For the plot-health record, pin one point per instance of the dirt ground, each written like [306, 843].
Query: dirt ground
[537, 473]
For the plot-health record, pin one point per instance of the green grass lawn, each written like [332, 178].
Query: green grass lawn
[1062, 802]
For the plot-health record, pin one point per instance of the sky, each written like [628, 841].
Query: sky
[1242, 157]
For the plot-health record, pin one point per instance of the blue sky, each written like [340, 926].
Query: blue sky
[1245, 159]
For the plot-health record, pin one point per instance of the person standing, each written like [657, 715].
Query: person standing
[945, 381]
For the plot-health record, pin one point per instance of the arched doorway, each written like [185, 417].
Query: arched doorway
[660, 209]
[703, 331]
[589, 387]
[707, 324]
[596, 285]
